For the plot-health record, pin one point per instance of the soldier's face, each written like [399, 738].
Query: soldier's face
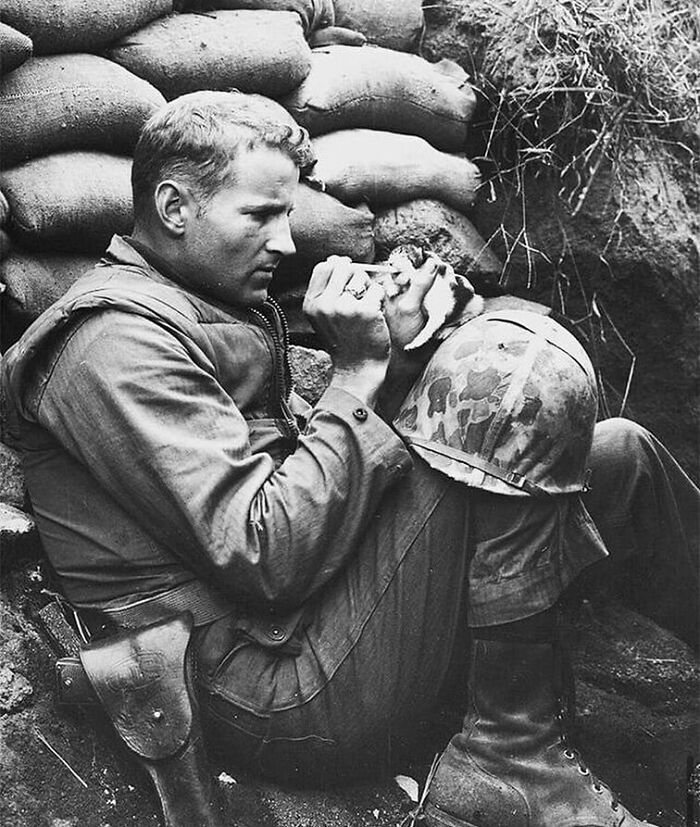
[237, 239]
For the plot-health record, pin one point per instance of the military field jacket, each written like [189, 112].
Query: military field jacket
[162, 443]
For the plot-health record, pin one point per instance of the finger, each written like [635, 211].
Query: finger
[319, 277]
[341, 273]
[374, 296]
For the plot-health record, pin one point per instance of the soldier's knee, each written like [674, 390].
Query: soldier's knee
[620, 448]
[622, 434]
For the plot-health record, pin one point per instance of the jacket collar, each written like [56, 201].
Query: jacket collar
[128, 251]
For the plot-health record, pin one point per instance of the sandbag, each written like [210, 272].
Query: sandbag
[434, 226]
[395, 24]
[384, 169]
[253, 51]
[383, 89]
[33, 282]
[314, 14]
[322, 226]
[15, 48]
[80, 25]
[69, 201]
[81, 101]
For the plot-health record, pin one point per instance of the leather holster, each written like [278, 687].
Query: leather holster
[144, 680]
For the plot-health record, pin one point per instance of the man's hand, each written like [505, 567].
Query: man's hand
[403, 311]
[345, 308]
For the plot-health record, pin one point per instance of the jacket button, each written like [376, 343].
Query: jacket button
[360, 414]
[275, 632]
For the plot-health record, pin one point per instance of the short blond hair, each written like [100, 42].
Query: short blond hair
[197, 138]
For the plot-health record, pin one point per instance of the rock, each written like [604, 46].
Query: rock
[15, 689]
[19, 539]
[41, 790]
[439, 228]
[637, 706]
[311, 371]
[12, 486]
[454, 31]
[622, 652]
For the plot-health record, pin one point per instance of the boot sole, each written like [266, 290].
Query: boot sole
[439, 818]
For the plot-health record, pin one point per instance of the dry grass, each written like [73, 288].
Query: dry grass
[570, 82]
[570, 85]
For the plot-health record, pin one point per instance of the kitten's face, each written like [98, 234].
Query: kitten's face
[450, 301]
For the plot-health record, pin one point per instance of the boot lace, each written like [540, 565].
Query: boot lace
[571, 754]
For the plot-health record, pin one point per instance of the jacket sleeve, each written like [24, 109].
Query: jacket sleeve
[151, 422]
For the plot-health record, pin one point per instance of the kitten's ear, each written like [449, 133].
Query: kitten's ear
[463, 290]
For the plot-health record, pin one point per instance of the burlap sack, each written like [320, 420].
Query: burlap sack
[80, 25]
[436, 227]
[33, 282]
[384, 169]
[382, 89]
[322, 226]
[253, 51]
[395, 24]
[81, 101]
[69, 201]
[314, 14]
[15, 48]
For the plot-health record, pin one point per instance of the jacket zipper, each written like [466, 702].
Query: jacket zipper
[276, 325]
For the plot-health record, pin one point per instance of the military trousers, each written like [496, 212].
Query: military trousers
[373, 650]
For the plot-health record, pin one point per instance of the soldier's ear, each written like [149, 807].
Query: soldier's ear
[174, 204]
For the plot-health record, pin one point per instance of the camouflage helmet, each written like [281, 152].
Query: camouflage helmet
[507, 403]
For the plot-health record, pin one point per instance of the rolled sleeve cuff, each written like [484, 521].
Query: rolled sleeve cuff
[379, 442]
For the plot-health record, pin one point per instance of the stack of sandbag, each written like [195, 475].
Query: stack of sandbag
[389, 129]
[68, 127]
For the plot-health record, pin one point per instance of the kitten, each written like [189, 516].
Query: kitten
[451, 300]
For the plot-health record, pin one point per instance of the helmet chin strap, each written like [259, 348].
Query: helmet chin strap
[509, 477]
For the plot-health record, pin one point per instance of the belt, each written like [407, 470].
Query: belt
[196, 597]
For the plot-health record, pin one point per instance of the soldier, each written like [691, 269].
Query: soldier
[326, 566]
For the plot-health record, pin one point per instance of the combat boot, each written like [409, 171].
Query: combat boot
[512, 765]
